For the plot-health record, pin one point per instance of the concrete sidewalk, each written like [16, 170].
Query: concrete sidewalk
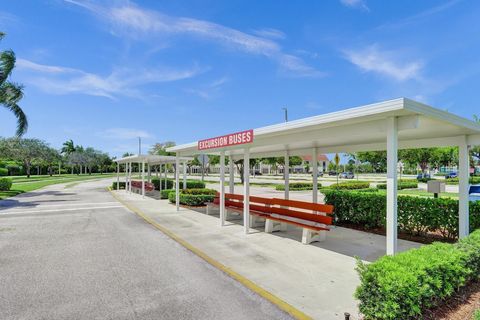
[318, 279]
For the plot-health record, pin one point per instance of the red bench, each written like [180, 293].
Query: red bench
[314, 218]
[138, 184]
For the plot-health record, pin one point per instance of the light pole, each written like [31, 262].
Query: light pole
[139, 145]
[286, 114]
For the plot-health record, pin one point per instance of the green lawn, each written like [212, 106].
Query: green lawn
[23, 184]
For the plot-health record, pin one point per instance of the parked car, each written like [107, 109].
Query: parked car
[319, 174]
[474, 193]
[258, 173]
[332, 173]
[451, 175]
[423, 176]
[346, 175]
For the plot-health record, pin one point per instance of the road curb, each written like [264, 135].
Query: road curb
[291, 310]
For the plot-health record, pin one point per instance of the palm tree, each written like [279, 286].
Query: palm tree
[68, 147]
[11, 93]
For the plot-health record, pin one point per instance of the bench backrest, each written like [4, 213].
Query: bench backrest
[138, 184]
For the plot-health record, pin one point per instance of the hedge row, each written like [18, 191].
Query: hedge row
[3, 172]
[121, 184]
[404, 286]
[5, 184]
[350, 185]
[473, 180]
[165, 192]
[400, 185]
[191, 184]
[416, 215]
[192, 198]
[297, 186]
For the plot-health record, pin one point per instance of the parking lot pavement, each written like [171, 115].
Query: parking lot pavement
[76, 253]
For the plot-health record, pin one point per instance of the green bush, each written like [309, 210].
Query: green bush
[165, 192]
[202, 191]
[191, 184]
[476, 315]
[121, 185]
[416, 215]
[5, 184]
[297, 186]
[191, 199]
[424, 180]
[404, 286]
[350, 185]
[3, 172]
[454, 181]
[400, 185]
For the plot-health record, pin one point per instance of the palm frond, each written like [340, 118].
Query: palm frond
[7, 63]
[22, 122]
[11, 93]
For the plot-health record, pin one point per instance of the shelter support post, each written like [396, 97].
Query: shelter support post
[222, 188]
[315, 175]
[246, 190]
[286, 173]
[160, 179]
[118, 176]
[177, 182]
[231, 178]
[149, 173]
[126, 177]
[463, 188]
[165, 184]
[392, 160]
[143, 179]
[184, 175]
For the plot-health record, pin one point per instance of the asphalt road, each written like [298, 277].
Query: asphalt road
[76, 253]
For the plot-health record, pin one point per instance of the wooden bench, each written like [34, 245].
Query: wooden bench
[277, 213]
[149, 187]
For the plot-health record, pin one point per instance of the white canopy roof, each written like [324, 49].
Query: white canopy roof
[357, 129]
[151, 159]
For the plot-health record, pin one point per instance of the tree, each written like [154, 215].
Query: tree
[377, 159]
[68, 147]
[160, 148]
[26, 150]
[475, 150]
[11, 93]
[423, 157]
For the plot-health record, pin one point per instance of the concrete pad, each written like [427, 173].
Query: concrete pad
[318, 279]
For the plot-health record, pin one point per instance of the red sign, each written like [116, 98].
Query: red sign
[226, 140]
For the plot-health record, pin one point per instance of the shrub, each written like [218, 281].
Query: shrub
[476, 315]
[454, 181]
[297, 186]
[401, 185]
[404, 286]
[424, 180]
[191, 184]
[350, 185]
[5, 184]
[202, 191]
[3, 172]
[416, 215]
[121, 184]
[191, 199]
[165, 192]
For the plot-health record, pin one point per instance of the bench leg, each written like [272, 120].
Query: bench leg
[255, 221]
[309, 236]
[272, 226]
[208, 209]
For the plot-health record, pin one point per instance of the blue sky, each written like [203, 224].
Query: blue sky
[105, 72]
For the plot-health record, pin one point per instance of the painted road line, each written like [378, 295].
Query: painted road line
[57, 210]
[288, 308]
[19, 207]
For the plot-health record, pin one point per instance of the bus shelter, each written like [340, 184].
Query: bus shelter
[389, 125]
[146, 163]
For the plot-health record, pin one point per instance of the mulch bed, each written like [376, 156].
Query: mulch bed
[461, 306]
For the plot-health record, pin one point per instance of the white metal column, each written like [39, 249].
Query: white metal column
[392, 160]
[118, 176]
[143, 179]
[222, 188]
[129, 184]
[246, 190]
[165, 183]
[315, 175]
[286, 173]
[160, 179]
[126, 177]
[149, 173]
[184, 175]
[231, 172]
[463, 188]
[177, 182]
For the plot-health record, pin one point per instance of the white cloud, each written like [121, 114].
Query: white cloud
[124, 133]
[357, 4]
[130, 20]
[120, 82]
[270, 33]
[371, 59]
[209, 90]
